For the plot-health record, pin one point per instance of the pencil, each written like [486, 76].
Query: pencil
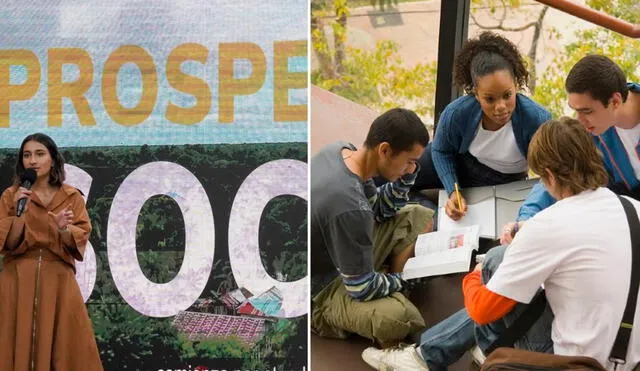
[458, 195]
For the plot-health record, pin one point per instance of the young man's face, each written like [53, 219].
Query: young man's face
[392, 166]
[592, 114]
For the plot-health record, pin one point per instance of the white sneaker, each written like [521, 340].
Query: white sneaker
[372, 356]
[400, 358]
[477, 355]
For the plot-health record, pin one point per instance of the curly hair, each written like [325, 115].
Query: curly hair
[488, 53]
[567, 150]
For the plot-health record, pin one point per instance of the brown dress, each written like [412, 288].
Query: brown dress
[44, 324]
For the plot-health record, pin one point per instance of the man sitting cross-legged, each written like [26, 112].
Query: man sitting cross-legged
[362, 235]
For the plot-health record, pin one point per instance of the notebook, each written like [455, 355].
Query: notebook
[489, 207]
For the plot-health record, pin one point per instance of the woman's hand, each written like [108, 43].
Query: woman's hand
[20, 194]
[63, 218]
[453, 210]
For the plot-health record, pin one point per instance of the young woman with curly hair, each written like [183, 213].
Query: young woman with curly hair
[482, 138]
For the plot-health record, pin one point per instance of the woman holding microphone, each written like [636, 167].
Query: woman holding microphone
[44, 324]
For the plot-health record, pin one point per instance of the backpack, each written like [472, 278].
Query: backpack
[518, 359]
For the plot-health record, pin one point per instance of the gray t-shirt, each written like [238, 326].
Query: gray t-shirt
[342, 219]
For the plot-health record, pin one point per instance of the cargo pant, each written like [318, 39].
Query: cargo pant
[335, 314]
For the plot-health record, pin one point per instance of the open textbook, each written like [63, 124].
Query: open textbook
[489, 207]
[443, 252]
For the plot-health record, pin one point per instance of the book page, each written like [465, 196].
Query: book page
[443, 257]
[442, 241]
[482, 213]
[444, 262]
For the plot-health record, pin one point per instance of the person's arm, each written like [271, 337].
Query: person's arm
[390, 197]
[483, 305]
[443, 151]
[16, 234]
[537, 200]
[531, 259]
[371, 285]
[351, 244]
[527, 263]
[75, 235]
[11, 226]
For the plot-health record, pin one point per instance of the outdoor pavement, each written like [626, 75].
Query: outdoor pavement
[415, 27]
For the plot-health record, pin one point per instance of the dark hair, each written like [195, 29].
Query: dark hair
[488, 53]
[568, 151]
[399, 127]
[598, 76]
[56, 175]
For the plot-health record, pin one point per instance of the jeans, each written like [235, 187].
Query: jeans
[470, 173]
[447, 341]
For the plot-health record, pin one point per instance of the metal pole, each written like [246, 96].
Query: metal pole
[591, 15]
[454, 27]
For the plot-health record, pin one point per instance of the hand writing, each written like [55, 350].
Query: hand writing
[453, 210]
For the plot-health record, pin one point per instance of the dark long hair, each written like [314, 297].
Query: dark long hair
[56, 175]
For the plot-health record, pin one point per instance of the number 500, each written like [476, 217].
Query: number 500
[270, 180]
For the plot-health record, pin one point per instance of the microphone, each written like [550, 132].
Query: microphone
[28, 178]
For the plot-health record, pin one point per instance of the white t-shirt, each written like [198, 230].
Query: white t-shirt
[498, 150]
[629, 138]
[580, 249]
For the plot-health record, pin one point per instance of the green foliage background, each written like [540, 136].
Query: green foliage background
[377, 78]
[624, 50]
[374, 78]
[128, 340]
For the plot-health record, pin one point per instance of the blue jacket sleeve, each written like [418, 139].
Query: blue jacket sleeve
[443, 151]
[538, 200]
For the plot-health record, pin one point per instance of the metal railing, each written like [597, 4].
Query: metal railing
[591, 15]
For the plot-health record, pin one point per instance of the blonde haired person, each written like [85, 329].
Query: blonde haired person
[564, 155]
[579, 249]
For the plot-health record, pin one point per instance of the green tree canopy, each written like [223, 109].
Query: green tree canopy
[624, 50]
